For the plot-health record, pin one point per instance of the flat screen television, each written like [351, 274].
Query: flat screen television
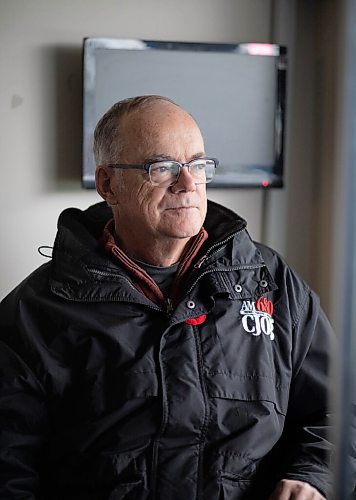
[236, 93]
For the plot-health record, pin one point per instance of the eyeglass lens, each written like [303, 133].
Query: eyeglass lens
[165, 173]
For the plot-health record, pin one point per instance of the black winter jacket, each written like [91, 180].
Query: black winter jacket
[103, 395]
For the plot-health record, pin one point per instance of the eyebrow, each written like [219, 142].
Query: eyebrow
[159, 157]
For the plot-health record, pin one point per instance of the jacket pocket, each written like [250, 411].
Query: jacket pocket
[104, 428]
[231, 477]
[132, 479]
[132, 491]
[247, 413]
[233, 487]
[247, 387]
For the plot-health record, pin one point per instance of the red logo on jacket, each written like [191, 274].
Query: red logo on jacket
[264, 305]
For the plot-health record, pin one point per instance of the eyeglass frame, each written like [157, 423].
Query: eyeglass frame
[146, 166]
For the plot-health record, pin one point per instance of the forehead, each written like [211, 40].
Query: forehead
[160, 128]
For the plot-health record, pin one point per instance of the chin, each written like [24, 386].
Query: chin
[184, 232]
[181, 227]
[185, 236]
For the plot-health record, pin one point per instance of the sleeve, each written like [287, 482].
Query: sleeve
[22, 417]
[307, 434]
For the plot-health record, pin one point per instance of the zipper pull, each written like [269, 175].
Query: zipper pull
[169, 307]
[200, 262]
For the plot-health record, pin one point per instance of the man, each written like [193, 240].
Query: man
[161, 354]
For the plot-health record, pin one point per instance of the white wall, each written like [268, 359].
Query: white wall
[40, 119]
[40, 101]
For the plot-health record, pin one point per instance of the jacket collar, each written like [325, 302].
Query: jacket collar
[142, 281]
[82, 271]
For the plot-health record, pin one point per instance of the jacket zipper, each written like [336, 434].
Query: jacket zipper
[162, 428]
[108, 274]
[199, 493]
[113, 276]
[217, 246]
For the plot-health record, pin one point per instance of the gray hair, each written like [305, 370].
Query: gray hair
[107, 147]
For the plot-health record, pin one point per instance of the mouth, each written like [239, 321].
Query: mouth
[181, 208]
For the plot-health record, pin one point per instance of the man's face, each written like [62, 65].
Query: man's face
[161, 131]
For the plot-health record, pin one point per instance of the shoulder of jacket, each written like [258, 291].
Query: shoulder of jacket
[289, 282]
[35, 283]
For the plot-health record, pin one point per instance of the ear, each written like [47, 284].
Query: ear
[104, 177]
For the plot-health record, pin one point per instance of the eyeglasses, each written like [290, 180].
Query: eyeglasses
[165, 173]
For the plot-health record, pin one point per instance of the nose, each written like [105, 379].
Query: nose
[185, 182]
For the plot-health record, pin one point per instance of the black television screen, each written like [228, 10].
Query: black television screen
[236, 92]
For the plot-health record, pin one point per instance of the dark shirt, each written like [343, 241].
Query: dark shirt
[163, 276]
